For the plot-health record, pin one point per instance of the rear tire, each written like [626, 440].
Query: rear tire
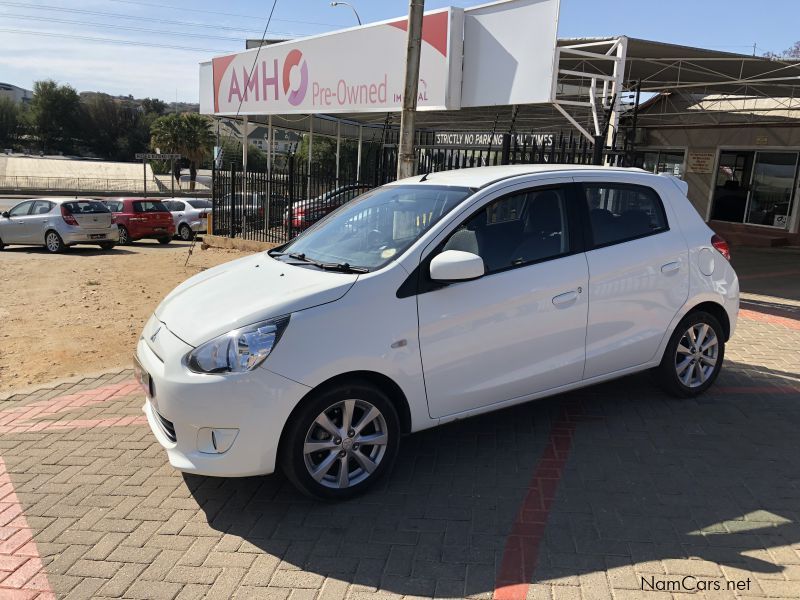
[53, 242]
[164, 241]
[107, 245]
[185, 232]
[340, 421]
[693, 357]
[124, 236]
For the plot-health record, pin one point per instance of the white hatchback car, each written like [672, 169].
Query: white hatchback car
[432, 299]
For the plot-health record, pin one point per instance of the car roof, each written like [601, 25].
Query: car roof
[58, 199]
[477, 177]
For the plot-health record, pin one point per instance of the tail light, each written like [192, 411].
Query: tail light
[721, 245]
[67, 216]
[113, 219]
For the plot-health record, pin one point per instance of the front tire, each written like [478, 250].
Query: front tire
[54, 243]
[693, 357]
[341, 441]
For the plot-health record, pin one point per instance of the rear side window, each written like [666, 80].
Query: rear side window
[41, 207]
[85, 207]
[199, 203]
[620, 212]
[149, 206]
[113, 205]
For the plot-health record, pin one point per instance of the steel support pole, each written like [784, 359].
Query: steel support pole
[144, 175]
[406, 158]
[245, 133]
[310, 151]
[269, 172]
[358, 156]
[338, 148]
[616, 91]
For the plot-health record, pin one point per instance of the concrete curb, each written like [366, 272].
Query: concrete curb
[218, 241]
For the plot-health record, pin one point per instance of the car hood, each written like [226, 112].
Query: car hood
[246, 291]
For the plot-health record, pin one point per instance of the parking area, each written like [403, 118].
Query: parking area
[617, 491]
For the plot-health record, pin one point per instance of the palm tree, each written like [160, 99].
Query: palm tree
[188, 134]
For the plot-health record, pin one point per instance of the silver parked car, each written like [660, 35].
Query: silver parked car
[189, 214]
[57, 223]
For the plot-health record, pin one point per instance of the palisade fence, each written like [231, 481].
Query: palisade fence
[277, 206]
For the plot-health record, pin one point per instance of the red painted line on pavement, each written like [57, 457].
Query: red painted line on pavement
[22, 575]
[752, 315]
[20, 419]
[522, 544]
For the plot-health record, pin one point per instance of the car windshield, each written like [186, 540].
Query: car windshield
[199, 203]
[379, 226]
[83, 207]
[148, 206]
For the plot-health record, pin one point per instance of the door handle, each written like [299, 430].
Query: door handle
[670, 267]
[565, 298]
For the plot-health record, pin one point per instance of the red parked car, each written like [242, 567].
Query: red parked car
[139, 218]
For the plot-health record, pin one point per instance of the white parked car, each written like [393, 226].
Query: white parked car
[428, 300]
[189, 214]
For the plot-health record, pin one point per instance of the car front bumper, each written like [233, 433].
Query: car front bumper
[248, 410]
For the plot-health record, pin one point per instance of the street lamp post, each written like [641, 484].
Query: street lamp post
[355, 12]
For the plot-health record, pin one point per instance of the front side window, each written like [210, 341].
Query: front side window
[149, 206]
[379, 226]
[620, 212]
[21, 209]
[518, 229]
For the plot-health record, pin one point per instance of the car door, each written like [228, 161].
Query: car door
[520, 329]
[15, 229]
[638, 273]
[37, 220]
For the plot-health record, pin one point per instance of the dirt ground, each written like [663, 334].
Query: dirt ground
[82, 311]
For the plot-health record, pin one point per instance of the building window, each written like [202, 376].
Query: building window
[661, 161]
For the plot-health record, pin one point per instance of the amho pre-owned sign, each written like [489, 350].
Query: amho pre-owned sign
[358, 69]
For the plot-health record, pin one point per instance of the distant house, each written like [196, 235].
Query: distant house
[15, 94]
[286, 141]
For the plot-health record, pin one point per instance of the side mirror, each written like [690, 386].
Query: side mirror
[5, 214]
[455, 265]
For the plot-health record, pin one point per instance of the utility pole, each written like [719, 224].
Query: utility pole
[406, 158]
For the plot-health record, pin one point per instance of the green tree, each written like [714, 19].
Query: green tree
[114, 129]
[55, 115]
[11, 122]
[323, 156]
[153, 106]
[188, 134]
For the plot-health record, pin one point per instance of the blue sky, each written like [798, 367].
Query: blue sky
[48, 38]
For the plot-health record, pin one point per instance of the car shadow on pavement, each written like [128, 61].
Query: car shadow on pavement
[649, 482]
[79, 251]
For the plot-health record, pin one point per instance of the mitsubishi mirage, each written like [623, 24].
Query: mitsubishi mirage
[428, 300]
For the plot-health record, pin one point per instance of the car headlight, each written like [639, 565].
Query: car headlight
[239, 350]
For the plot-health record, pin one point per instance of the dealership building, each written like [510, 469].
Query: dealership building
[725, 123]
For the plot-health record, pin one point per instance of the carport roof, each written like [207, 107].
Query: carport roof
[656, 66]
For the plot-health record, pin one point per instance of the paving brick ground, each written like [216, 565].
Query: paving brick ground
[589, 495]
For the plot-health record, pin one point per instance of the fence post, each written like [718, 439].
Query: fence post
[290, 212]
[597, 150]
[232, 224]
[506, 149]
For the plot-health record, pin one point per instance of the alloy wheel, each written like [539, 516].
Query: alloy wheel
[123, 235]
[696, 355]
[53, 242]
[345, 444]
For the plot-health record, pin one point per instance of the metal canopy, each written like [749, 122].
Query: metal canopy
[594, 82]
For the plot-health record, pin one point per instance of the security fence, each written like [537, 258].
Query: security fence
[278, 205]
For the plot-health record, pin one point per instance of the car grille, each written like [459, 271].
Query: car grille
[167, 427]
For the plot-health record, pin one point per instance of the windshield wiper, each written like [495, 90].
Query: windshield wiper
[341, 267]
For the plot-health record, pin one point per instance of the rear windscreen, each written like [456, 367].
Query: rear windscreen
[199, 203]
[85, 207]
[149, 206]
